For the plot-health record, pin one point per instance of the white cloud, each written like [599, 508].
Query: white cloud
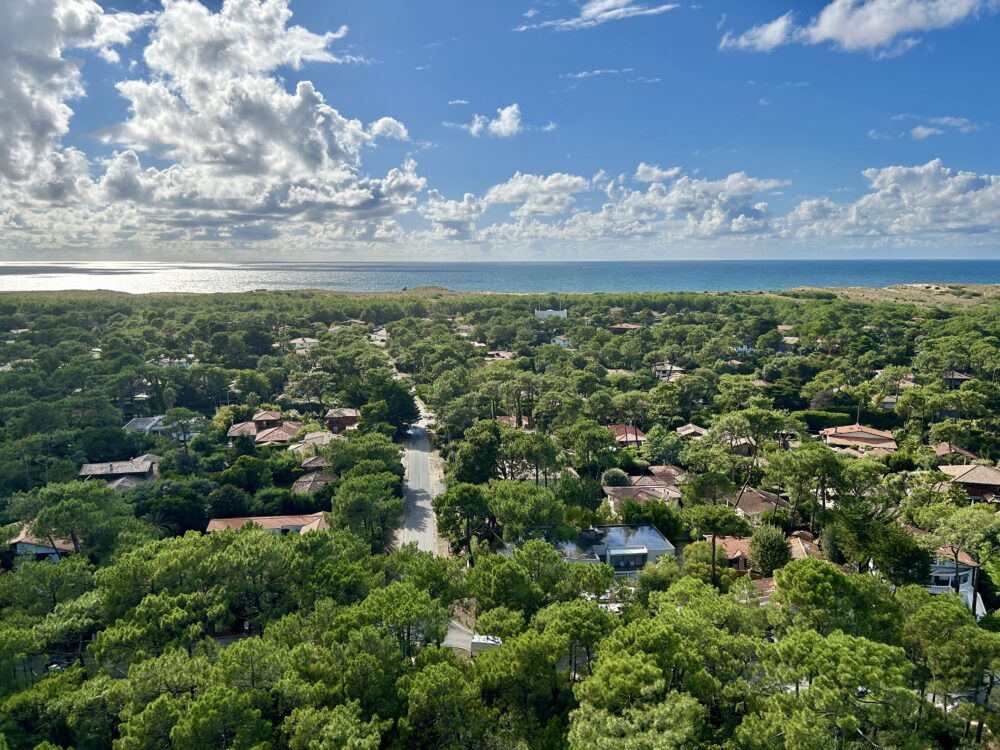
[39, 81]
[506, 124]
[454, 102]
[597, 12]
[882, 26]
[763, 37]
[580, 75]
[924, 131]
[537, 195]
[242, 151]
[653, 173]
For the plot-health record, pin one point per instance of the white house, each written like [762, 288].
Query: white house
[562, 341]
[543, 314]
[303, 343]
[942, 581]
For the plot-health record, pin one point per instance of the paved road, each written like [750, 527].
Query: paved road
[420, 486]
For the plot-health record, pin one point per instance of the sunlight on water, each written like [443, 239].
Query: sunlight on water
[144, 278]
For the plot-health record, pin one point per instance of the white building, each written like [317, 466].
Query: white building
[543, 314]
[562, 341]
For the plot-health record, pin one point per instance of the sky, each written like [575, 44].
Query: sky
[498, 129]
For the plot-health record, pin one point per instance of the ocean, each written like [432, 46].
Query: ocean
[583, 276]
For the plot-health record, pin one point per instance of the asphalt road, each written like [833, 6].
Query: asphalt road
[420, 485]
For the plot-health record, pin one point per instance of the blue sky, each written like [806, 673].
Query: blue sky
[500, 130]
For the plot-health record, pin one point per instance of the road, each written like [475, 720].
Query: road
[421, 484]
[423, 481]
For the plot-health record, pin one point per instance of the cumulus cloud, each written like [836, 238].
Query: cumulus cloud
[39, 81]
[242, 151]
[885, 27]
[537, 195]
[596, 12]
[506, 124]
[654, 173]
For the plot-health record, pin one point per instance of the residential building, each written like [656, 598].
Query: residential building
[981, 483]
[944, 571]
[315, 463]
[859, 438]
[756, 504]
[525, 423]
[143, 468]
[627, 435]
[497, 356]
[641, 494]
[282, 433]
[626, 548]
[41, 548]
[954, 379]
[788, 344]
[292, 524]
[313, 440]
[562, 341]
[692, 431]
[951, 451]
[342, 418]
[303, 343]
[543, 314]
[621, 328]
[667, 372]
[264, 420]
[313, 482]
[146, 425]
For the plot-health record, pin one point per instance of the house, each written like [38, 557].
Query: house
[544, 314]
[981, 483]
[756, 504]
[744, 349]
[146, 425]
[954, 379]
[342, 418]
[240, 429]
[942, 578]
[315, 463]
[143, 468]
[42, 548]
[626, 435]
[785, 328]
[481, 643]
[526, 422]
[626, 548]
[164, 360]
[282, 433]
[313, 440]
[618, 496]
[497, 356]
[949, 450]
[736, 549]
[667, 372]
[264, 420]
[669, 475]
[313, 482]
[761, 383]
[275, 524]
[562, 341]
[859, 438]
[692, 431]
[888, 402]
[621, 328]
[303, 343]
[788, 344]
[464, 330]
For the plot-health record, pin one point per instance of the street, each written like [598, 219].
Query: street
[420, 485]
